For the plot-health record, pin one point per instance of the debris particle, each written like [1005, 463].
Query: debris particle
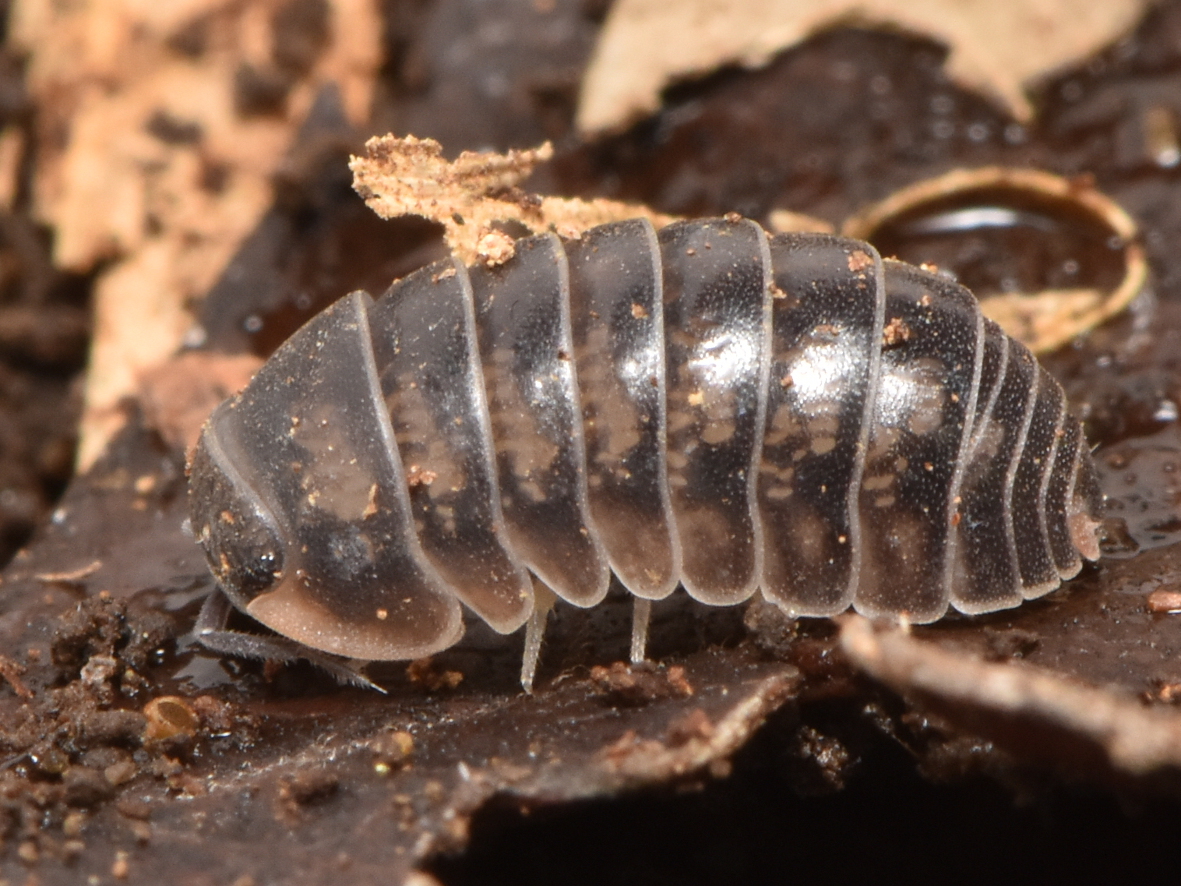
[86, 787]
[168, 717]
[393, 749]
[410, 176]
[629, 685]
[859, 260]
[694, 726]
[418, 476]
[70, 576]
[1163, 601]
[306, 788]
[495, 248]
[1164, 692]
[895, 333]
[121, 772]
[371, 503]
[426, 673]
[12, 671]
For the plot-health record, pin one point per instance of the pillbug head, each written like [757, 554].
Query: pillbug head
[303, 508]
[238, 533]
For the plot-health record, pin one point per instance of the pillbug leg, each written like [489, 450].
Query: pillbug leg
[212, 632]
[641, 613]
[543, 603]
[213, 617]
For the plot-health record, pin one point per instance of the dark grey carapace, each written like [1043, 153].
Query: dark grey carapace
[703, 406]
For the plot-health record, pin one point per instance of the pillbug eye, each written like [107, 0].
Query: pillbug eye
[704, 406]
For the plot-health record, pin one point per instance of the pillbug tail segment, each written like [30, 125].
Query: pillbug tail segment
[1086, 506]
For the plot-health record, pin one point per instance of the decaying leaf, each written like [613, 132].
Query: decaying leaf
[158, 151]
[1017, 704]
[996, 46]
[1048, 318]
[477, 191]
[474, 192]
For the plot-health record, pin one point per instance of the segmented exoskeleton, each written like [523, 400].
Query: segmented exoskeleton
[705, 406]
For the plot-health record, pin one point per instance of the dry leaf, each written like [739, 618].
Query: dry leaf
[145, 161]
[995, 45]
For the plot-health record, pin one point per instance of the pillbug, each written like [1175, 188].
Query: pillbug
[705, 406]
